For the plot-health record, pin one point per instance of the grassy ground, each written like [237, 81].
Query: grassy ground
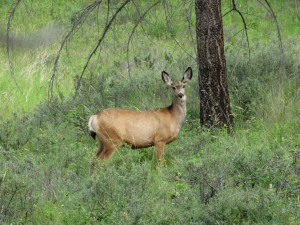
[251, 177]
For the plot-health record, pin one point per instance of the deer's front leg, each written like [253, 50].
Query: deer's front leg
[160, 147]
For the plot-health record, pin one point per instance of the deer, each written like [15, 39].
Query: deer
[140, 129]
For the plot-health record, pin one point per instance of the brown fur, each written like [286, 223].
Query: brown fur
[141, 129]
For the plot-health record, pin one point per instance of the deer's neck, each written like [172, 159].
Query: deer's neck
[178, 109]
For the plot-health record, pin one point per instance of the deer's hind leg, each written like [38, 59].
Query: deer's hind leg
[100, 150]
[107, 148]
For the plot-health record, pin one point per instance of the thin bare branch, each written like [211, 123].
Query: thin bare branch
[133, 30]
[183, 49]
[188, 19]
[145, 32]
[8, 40]
[225, 14]
[108, 11]
[176, 41]
[271, 11]
[234, 8]
[99, 43]
[78, 21]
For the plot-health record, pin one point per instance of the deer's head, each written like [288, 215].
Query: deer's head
[178, 86]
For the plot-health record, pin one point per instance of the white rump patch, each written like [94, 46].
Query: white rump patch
[91, 123]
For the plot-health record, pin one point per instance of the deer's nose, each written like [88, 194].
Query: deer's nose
[180, 95]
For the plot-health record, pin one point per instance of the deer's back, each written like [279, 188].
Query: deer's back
[137, 128]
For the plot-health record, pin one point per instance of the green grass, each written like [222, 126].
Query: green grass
[209, 177]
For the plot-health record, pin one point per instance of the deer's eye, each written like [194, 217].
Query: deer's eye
[183, 86]
[174, 88]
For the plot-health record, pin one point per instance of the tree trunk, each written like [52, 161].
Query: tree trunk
[214, 98]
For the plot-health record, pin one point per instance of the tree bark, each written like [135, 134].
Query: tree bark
[213, 88]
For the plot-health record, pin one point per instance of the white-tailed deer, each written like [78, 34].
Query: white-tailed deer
[141, 129]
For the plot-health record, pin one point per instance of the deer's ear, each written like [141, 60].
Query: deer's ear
[188, 74]
[166, 78]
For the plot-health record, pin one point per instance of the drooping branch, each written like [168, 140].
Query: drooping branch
[189, 18]
[174, 38]
[143, 29]
[133, 30]
[234, 8]
[8, 40]
[271, 11]
[108, 25]
[108, 11]
[268, 7]
[77, 22]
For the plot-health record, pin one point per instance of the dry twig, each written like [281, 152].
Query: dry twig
[81, 18]
[108, 25]
[133, 30]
